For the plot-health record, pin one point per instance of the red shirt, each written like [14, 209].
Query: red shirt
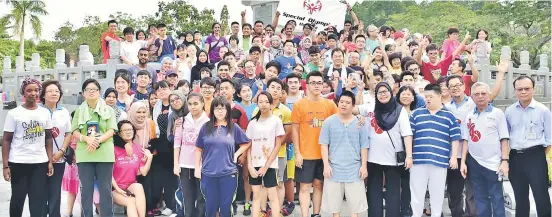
[105, 44]
[441, 67]
[468, 84]
[239, 116]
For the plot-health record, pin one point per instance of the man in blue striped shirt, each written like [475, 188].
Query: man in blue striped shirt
[436, 134]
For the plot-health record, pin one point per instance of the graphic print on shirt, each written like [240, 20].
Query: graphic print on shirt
[374, 123]
[262, 141]
[125, 159]
[190, 137]
[55, 132]
[474, 134]
[315, 122]
[93, 129]
[33, 130]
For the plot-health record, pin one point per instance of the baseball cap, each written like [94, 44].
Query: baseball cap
[171, 73]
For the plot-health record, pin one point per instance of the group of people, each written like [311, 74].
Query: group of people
[372, 115]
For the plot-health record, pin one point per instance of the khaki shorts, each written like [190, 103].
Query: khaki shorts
[332, 197]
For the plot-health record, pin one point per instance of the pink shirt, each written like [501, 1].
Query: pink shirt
[185, 138]
[126, 168]
[449, 46]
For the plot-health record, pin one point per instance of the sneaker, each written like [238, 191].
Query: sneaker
[264, 214]
[167, 212]
[150, 214]
[247, 209]
[316, 215]
[287, 208]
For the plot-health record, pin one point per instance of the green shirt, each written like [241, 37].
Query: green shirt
[246, 41]
[106, 151]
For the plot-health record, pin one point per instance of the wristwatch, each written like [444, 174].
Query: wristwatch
[507, 160]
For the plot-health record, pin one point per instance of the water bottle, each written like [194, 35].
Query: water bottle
[290, 151]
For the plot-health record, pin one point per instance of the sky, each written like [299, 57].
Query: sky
[61, 11]
[74, 11]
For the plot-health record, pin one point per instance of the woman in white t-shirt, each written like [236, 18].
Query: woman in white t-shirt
[266, 132]
[27, 151]
[61, 135]
[389, 134]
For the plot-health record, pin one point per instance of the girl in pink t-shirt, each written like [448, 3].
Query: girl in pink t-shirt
[130, 160]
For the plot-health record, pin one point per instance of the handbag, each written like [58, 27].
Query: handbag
[400, 156]
[68, 155]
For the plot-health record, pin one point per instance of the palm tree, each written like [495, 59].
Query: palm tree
[23, 11]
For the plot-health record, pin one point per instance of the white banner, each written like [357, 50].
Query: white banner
[319, 13]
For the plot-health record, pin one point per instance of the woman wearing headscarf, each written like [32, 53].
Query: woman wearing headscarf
[110, 97]
[179, 109]
[389, 132]
[275, 49]
[202, 61]
[167, 65]
[145, 127]
[305, 44]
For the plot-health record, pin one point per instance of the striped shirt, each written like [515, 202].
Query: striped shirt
[433, 136]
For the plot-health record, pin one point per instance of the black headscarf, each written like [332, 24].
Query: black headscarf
[387, 114]
[196, 76]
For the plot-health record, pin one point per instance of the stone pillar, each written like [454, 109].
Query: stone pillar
[84, 56]
[28, 65]
[524, 60]
[19, 64]
[114, 49]
[7, 65]
[60, 59]
[506, 54]
[35, 62]
[543, 69]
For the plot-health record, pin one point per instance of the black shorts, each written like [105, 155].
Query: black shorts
[312, 169]
[269, 180]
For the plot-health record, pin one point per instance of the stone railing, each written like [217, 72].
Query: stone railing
[71, 78]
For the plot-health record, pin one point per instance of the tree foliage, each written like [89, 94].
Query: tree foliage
[224, 17]
[23, 11]
[522, 25]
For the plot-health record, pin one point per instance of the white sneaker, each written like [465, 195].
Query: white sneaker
[166, 212]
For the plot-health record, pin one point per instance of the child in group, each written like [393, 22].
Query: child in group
[265, 130]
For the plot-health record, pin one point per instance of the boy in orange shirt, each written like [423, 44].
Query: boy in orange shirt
[307, 116]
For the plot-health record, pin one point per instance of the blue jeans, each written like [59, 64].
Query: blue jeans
[488, 192]
[219, 193]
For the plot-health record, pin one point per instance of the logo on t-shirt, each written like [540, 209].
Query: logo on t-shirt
[474, 134]
[55, 132]
[33, 130]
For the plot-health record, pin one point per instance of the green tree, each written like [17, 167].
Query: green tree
[224, 16]
[23, 11]
[378, 12]
[179, 16]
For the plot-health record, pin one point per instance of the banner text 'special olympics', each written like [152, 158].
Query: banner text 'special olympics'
[310, 20]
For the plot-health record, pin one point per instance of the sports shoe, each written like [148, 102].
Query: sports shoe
[287, 208]
[167, 212]
[247, 209]
[264, 214]
[316, 215]
[234, 208]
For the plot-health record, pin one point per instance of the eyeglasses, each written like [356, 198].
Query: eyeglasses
[127, 131]
[316, 83]
[91, 90]
[480, 94]
[414, 70]
[432, 53]
[224, 70]
[381, 93]
[524, 89]
[455, 86]
[175, 99]
[220, 109]
[207, 88]
[52, 91]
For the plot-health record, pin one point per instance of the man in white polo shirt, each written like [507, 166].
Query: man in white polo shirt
[485, 135]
